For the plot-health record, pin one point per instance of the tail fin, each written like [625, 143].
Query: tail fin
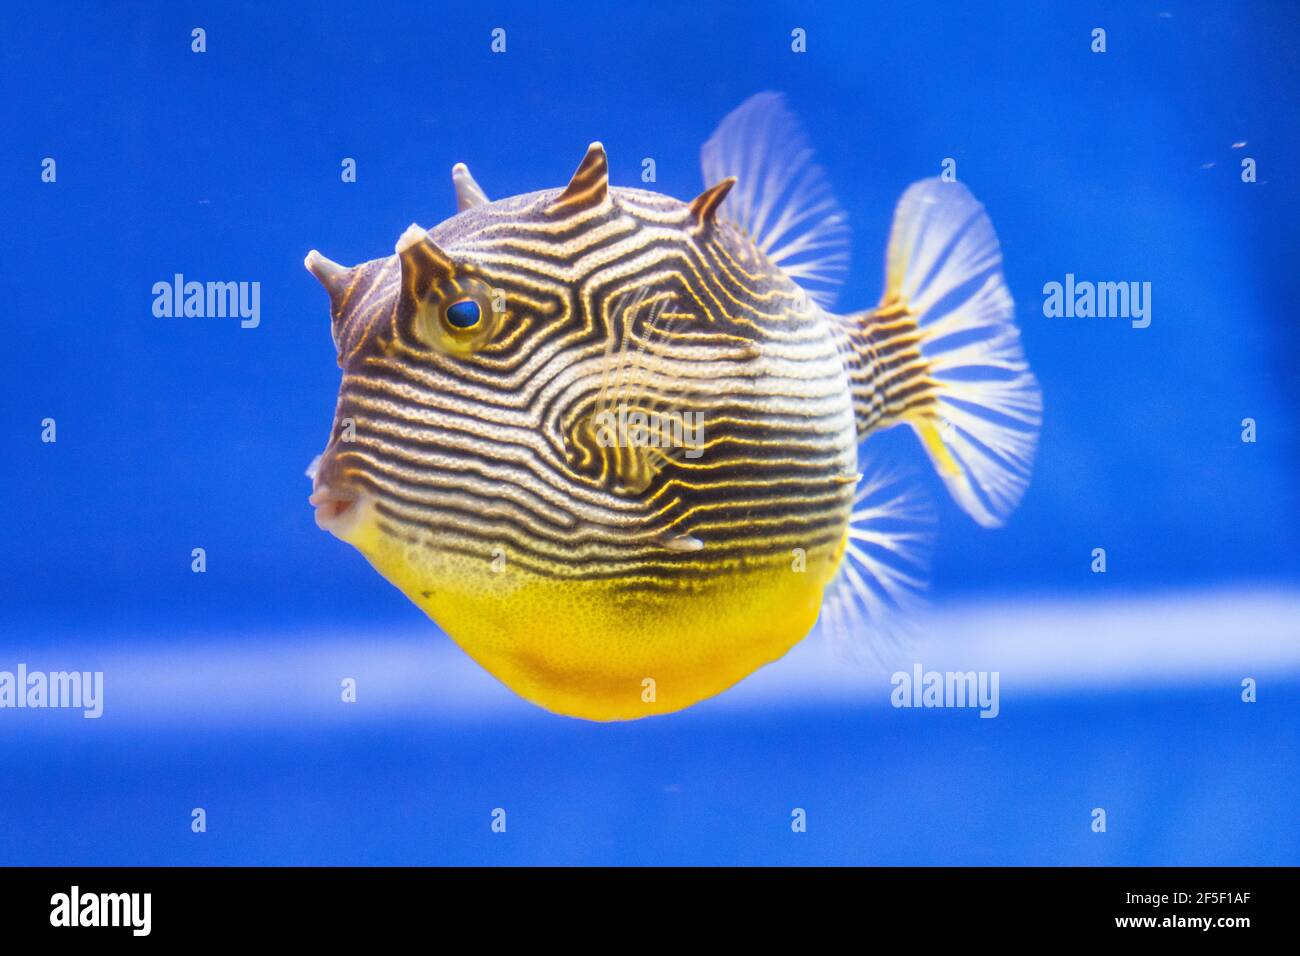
[942, 353]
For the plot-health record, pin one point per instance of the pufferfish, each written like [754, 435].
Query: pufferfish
[508, 445]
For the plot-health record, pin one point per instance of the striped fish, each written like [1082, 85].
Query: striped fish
[610, 441]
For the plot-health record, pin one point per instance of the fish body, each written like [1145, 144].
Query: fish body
[609, 440]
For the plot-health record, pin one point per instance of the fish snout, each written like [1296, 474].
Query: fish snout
[339, 505]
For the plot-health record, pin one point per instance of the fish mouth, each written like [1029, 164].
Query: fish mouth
[337, 511]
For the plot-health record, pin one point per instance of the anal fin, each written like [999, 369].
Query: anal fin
[884, 570]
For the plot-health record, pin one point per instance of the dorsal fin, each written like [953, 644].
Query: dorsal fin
[424, 265]
[704, 207]
[336, 279]
[782, 198]
[588, 186]
[468, 192]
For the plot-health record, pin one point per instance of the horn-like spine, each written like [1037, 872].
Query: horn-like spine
[337, 280]
[468, 192]
[704, 207]
[424, 265]
[589, 185]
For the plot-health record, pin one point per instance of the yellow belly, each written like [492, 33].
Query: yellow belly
[595, 650]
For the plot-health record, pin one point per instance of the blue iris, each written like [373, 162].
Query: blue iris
[464, 314]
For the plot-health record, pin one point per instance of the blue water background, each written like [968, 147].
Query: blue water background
[183, 433]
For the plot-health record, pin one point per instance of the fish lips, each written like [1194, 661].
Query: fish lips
[338, 510]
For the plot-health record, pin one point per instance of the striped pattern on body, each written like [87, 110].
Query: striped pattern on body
[619, 296]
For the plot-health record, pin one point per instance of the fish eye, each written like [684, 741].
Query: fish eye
[464, 314]
[457, 318]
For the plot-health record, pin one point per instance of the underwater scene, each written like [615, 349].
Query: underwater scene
[701, 434]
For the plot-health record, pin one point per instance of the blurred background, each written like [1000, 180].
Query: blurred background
[1119, 691]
